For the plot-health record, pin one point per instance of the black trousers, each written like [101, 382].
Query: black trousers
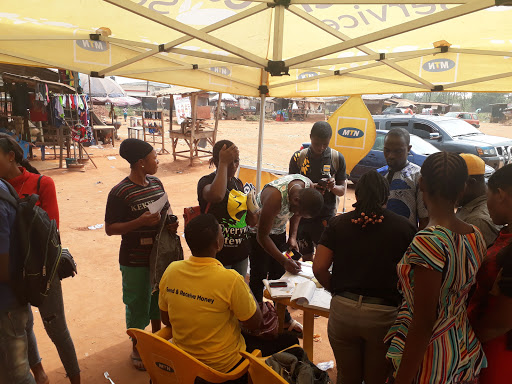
[264, 266]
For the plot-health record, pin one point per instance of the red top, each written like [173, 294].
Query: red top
[26, 184]
[499, 358]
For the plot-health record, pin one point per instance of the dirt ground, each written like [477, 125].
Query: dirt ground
[93, 299]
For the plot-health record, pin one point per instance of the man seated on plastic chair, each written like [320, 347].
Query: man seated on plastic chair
[203, 302]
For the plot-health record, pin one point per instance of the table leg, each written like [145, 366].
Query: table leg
[309, 327]
[281, 310]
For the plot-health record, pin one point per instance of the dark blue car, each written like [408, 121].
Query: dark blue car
[375, 158]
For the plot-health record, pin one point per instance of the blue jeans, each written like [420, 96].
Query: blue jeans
[54, 321]
[14, 367]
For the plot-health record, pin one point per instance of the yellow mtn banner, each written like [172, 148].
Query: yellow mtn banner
[353, 131]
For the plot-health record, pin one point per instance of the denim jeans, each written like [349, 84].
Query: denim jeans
[14, 367]
[54, 321]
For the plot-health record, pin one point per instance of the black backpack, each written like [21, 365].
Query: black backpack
[36, 244]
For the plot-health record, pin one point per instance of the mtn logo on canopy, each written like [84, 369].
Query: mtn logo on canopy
[91, 45]
[221, 70]
[351, 133]
[305, 75]
[439, 65]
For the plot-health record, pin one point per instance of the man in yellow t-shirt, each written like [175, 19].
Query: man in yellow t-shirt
[203, 302]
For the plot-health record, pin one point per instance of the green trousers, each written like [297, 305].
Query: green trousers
[141, 305]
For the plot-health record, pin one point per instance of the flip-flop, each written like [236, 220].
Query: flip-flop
[137, 363]
[292, 330]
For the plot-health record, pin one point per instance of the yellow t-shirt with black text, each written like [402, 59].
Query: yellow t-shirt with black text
[205, 302]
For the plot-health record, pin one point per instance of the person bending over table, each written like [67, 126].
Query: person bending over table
[205, 303]
[286, 199]
[365, 246]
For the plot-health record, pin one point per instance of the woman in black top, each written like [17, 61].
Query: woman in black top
[364, 247]
[222, 194]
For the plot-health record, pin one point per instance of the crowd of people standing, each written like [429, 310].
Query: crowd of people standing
[420, 271]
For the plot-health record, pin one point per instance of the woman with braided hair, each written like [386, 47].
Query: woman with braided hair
[364, 247]
[432, 340]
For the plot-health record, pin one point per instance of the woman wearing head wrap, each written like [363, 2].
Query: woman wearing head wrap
[127, 214]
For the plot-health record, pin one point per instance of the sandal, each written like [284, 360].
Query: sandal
[137, 363]
[291, 329]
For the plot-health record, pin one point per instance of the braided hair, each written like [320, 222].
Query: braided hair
[445, 175]
[9, 144]
[372, 192]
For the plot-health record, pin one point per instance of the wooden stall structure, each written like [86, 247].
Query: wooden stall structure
[153, 129]
[193, 130]
[49, 136]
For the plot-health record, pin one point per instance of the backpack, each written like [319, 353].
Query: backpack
[335, 159]
[37, 246]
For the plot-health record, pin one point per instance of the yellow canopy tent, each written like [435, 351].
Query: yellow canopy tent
[280, 48]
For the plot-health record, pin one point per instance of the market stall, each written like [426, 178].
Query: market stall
[45, 114]
[195, 131]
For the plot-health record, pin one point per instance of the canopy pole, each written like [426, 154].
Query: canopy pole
[260, 142]
[92, 104]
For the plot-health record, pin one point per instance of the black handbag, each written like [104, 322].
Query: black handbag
[67, 265]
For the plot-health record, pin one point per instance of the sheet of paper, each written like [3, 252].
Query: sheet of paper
[304, 292]
[306, 270]
[157, 206]
[321, 300]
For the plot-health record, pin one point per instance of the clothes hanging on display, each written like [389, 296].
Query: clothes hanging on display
[20, 100]
[38, 110]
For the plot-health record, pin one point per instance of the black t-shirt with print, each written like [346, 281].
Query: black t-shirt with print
[231, 214]
[126, 202]
[313, 168]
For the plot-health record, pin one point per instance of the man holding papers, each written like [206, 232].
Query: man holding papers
[134, 208]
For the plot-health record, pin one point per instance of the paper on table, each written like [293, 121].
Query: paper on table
[157, 206]
[303, 292]
[278, 292]
[309, 296]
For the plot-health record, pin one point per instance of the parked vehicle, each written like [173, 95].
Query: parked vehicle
[452, 135]
[375, 158]
[469, 117]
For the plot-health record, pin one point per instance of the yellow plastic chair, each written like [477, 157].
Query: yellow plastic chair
[259, 372]
[165, 363]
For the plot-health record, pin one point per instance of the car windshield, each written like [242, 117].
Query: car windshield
[458, 127]
[452, 114]
[421, 147]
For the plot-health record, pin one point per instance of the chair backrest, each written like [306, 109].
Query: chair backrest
[166, 363]
[259, 372]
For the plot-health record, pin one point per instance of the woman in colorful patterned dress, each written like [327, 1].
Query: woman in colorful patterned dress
[432, 341]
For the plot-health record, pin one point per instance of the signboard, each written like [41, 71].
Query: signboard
[353, 131]
[183, 108]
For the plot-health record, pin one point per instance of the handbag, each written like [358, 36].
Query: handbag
[270, 325]
[190, 212]
[67, 265]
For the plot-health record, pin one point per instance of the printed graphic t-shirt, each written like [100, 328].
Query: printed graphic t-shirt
[205, 303]
[314, 168]
[405, 197]
[126, 202]
[231, 213]
[281, 184]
